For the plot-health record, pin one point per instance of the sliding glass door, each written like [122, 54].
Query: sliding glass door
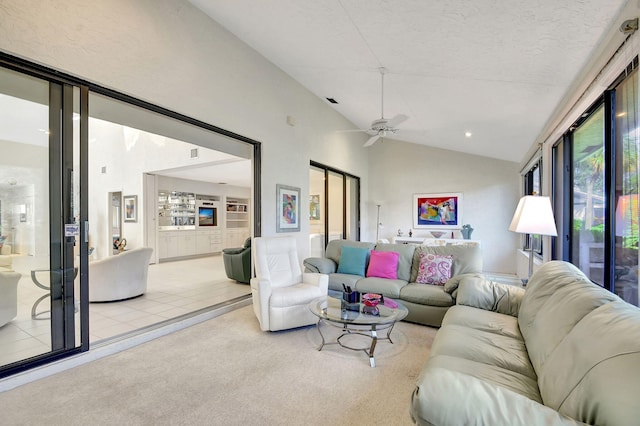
[597, 164]
[627, 177]
[589, 196]
[40, 217]
[334, 198]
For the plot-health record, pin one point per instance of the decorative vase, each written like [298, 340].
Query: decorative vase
[466, 231]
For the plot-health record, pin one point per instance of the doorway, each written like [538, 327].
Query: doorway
[41, 192]
[334, 207]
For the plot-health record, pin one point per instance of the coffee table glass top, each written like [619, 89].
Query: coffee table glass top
[331, 309]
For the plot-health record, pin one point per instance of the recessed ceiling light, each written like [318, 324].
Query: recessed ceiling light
[621, 114]
[467, 134]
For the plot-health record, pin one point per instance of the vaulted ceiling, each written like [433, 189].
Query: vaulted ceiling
[493, 68]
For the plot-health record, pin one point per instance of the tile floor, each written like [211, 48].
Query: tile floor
[174, 289]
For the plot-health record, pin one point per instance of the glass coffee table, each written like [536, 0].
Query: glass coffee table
[351, 319]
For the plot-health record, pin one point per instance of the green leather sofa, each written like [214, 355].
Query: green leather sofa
[564, 351]
[237, 262]
[427, 304]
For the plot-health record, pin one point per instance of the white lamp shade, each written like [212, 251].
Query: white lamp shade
[534, 216]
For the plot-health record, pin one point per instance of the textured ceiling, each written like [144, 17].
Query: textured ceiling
[495, 68]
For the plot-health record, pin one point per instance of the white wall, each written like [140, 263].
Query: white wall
[169, 53]
[28, 165]
[491, 190]
[125, 155]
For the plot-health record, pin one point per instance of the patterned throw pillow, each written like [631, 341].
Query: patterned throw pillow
[434, 269]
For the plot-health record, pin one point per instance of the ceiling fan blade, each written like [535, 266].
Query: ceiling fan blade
[400, 118]
[351, 130]
[371, 140]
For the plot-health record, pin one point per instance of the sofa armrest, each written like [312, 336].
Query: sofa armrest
[489, 295]
[452, 284]
[320, 265]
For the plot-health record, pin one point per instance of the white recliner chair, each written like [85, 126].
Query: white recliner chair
[281, 292]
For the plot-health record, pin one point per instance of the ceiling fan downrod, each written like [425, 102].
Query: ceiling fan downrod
[383, 70]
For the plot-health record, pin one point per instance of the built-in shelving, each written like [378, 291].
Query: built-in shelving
[176, 208]
[237, 213]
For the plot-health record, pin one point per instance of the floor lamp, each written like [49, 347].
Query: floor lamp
[378, 224]
[533, 216]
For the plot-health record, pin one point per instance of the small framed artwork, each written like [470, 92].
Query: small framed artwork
[441, 211]
[130, 203]
[288, 208]
[314, 207]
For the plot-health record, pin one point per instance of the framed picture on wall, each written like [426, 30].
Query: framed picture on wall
[288, 208]
[130, 203]
[441, 211]
[314, 207]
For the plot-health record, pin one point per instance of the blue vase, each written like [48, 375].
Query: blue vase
[466, 233]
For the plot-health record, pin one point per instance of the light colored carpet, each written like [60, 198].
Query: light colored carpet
[226, 372]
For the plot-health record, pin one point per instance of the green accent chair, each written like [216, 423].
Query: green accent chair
[237, 262]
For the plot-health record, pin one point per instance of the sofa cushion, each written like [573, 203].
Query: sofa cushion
[467, 258]
[384, 286]
[490, 374]
[405, 259]
[353, 260]
[426, 294]
[485, 347]
[434, 269]
[383, 264]
[334, 248]
[480, 319]
[337, 280]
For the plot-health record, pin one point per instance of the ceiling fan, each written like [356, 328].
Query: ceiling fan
[382, 126]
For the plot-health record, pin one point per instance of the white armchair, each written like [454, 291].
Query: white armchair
[281, 292]
[119, 277]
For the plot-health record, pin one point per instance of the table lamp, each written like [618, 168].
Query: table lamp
[533, 216]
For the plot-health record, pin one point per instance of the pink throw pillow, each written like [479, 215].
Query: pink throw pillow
[383, 264]
[434, 269]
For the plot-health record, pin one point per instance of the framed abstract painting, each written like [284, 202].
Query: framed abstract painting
[288, 206]
[441, 211]
[130, 203]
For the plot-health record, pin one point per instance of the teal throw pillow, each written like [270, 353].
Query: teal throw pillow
[353, 260]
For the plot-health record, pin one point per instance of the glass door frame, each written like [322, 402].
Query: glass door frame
[61, 196]
[327, 170]
[63, 305]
